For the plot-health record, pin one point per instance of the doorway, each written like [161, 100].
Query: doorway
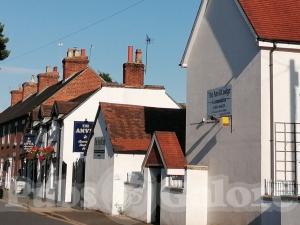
[155, 198]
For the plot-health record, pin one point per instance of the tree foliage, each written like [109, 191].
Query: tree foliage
[4, 53]
[105, 76]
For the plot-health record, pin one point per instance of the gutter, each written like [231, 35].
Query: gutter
[271, 65]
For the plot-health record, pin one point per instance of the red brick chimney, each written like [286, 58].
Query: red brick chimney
[75, 61]
[29, 88]
[47, 79]
[16, 96]
[133, 72]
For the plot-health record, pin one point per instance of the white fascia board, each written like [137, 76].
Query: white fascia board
[270, 44]
[176, 172]
[193, 34]
[148, 153]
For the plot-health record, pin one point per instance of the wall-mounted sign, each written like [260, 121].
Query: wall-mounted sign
[99, 148]
[219, 102]
[28, 141]
[82, 131]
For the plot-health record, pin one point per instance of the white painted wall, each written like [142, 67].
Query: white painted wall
[88, 110]
[172, 204]
[225, 52]
[136, 96]
[196, 188]
[286, 102]
[123, 164]
[98, 191]
[137, 202]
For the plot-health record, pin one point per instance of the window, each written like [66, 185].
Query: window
[8, 133]
[135, 178]
[16, 133]
[175, 182]
[3, 135]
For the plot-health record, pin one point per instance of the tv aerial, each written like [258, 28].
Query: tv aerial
[148, 42]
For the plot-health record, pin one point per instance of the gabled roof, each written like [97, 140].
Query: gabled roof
[63, 107]
[271, 20]
[45, 110]
[165, 151]
[25, 107]
[274, 20]
[130, 127]
[66, 107]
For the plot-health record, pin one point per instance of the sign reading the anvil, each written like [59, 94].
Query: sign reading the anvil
[82, 131]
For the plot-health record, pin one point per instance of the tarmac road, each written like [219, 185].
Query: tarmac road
[15, 215]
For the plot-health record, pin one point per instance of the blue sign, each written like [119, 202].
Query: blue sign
[219, 102]
[82, 131]
[28, 142]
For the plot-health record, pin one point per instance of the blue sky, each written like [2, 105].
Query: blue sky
[32, 24]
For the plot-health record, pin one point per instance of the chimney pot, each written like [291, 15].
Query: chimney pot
[75, 61]
[55, 69]
[48, 69]
[83, 53]
[138, 56]
[130, 54]
[133, 73]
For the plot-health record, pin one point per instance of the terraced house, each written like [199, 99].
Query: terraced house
[17, 122]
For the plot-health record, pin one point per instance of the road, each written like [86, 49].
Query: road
[14, 215]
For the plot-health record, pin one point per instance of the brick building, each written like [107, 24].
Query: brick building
[17, 119]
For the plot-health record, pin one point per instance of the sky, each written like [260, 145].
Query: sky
[40, 32]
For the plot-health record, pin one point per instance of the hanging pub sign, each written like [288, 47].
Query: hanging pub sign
[99, 148]
[219, 102]
[28, 142]
[82, 131]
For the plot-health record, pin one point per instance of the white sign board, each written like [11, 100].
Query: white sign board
[219, 102]
[99, 148]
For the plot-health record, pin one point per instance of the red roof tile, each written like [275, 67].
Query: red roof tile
[154, 159]
[273, 19]
[130, 127]
[171, 151]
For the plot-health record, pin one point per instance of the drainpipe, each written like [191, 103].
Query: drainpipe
[272, 112]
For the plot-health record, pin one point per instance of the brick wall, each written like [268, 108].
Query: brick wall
[16, 96]
[47, 79]
[86, 82]
[29, 88]
[133, 74]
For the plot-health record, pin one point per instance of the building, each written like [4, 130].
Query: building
[127, 125]
[16, 122]
[242, 61]
[70, 123]
[121, 136]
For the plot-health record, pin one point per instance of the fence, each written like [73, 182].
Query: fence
[281, 188]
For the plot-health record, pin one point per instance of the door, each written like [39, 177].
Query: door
[158, 189]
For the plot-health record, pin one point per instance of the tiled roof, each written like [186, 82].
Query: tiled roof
[45, 110]
[165, 149]
[273, 19]
[117, 85]
[130, 127]
[25, 107]
[65, 107]
[171, 150]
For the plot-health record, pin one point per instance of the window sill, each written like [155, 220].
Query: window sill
[175, 189]
[281, 198]
[133, 184]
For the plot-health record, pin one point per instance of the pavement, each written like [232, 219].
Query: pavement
[62, 215]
